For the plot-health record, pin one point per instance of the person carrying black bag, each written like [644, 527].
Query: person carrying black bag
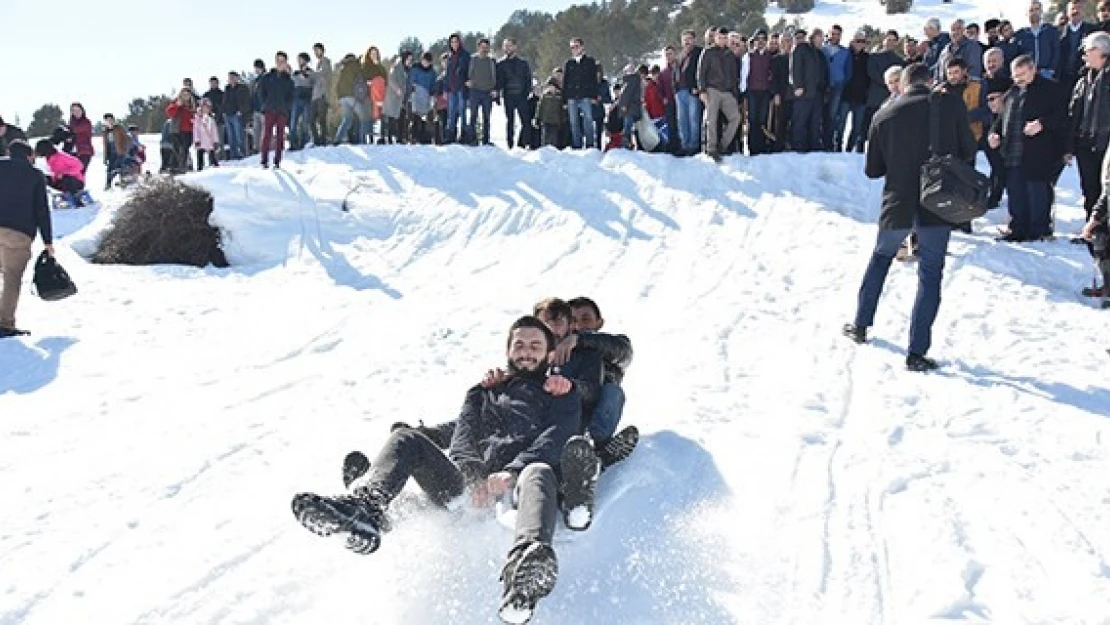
[24, 210]
[899, 146]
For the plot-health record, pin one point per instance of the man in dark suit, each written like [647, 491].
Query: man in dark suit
[1071, 38]
[898, 145]
[1031, 134]
[23, 211]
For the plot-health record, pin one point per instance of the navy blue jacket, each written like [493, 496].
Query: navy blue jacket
[23, 205]
[276, 91]
[512, 425]
[1044, 47]
[615, 351]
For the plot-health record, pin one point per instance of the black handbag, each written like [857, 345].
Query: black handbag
[951, 189]
[52, 283]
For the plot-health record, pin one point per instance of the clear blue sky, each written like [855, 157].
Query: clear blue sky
[105, 54]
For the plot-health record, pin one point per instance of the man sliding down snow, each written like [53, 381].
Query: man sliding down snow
[584, 366]
[507, 437]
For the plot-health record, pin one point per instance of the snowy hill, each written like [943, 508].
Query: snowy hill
[156, 425]
[854, 14]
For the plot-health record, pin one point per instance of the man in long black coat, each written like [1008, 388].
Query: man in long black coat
[898, 146]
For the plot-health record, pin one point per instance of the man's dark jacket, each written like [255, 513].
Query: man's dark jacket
[23, 204]
[512, 425]
[1042, 154]
[615, 351]
[898, 145]
[276, 91]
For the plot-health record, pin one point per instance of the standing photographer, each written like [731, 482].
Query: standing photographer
[898, 146]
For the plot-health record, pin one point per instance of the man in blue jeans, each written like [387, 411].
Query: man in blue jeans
[898, 145]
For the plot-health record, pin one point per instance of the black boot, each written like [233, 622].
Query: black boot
[920, 364]
[617, 448]
[857, 334]
[360, 515]
[528, 576]
[580, 468]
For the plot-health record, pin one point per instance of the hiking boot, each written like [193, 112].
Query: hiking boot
[528, 576]
[579, 469]
[355, 465]
[919, 364]
[857, 334]
[357, 515]
[617, 448]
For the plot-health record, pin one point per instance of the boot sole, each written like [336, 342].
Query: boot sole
[320, 517]
[534, 579]
[621, 446]
[355, 465]
[580, 467]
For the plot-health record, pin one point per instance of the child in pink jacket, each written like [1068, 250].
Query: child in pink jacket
[206, 134]
[67, 172]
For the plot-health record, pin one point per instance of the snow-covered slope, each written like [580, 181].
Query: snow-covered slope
[854, 14]
[156, 425]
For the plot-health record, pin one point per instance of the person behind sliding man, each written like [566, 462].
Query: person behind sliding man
[508, 439]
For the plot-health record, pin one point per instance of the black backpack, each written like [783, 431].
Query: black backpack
[52, 283]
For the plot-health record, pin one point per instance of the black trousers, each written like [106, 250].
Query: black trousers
[409, 453]
[1090, 176]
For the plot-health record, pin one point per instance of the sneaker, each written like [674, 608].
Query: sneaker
[355, 515]
[617, 448]
[9, 332]
[919, 364]
[528, 576]
[859, 335]
[580, 468]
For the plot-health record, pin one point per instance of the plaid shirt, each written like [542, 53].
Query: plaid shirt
[1013, 127]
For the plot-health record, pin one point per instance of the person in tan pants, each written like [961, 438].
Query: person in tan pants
[24, 210]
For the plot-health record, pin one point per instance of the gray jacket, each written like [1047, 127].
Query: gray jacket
[483, 73]
[322, 79]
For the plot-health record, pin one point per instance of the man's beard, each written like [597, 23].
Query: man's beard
[540, 371]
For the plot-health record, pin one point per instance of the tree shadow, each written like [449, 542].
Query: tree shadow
[28, 368]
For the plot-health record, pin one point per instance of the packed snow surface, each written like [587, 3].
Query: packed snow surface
[156, 425]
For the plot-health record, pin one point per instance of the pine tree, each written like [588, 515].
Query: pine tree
[898, 6]
[411, 44]
[45, 120]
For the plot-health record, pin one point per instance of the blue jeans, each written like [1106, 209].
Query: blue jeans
[690, 111]
[348, 103]
[932, 245]
[298, 136]
[607, 412]
[581, 113]
[456, 113]
[1030, 205]
[836, 117]
[480, 101]
[629, 127]
[235, 137]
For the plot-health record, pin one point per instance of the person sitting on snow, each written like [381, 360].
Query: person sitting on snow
[508, 439]
[616, 357]
[67, 173]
